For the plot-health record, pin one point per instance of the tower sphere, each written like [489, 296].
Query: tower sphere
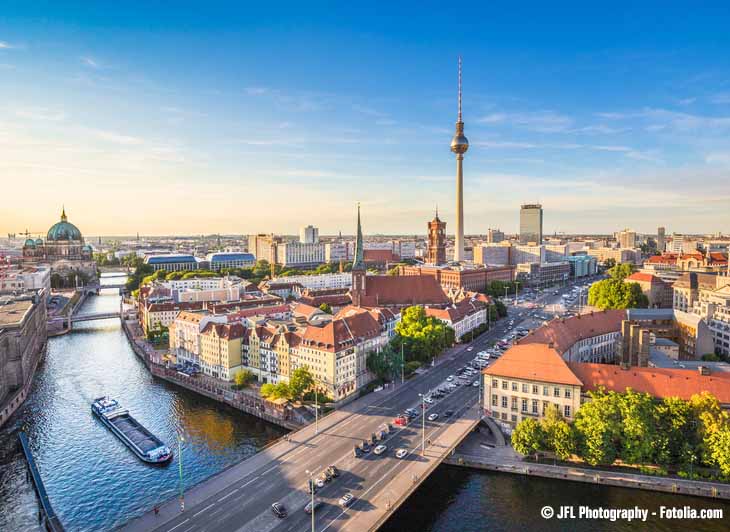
[459, 144]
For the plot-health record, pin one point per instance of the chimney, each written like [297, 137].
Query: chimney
[551, 345]
[704, 370]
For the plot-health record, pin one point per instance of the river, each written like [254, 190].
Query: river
[95, 483]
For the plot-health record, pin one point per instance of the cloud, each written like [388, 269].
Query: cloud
[256, 91]
[721, 98]
[506, 144]
[116, 138]
[539, 121]
[41, 114]
[686, 101]
[4, 45]
[90, 62]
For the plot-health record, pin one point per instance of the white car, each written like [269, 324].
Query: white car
[475, 383]
[401, 453]
[470, 348]
[380, 449]
[450, 378]
[428, 401]
[433, 417]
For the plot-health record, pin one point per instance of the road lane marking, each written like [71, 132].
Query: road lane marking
[204, 509]
[178, 525]
[249, 482]
[229, 494]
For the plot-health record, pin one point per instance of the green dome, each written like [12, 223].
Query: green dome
[30, 243]
[63, 230]
[38, 242]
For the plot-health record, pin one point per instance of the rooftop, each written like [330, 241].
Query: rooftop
[14, 312]
[563, 333]
[533, 362]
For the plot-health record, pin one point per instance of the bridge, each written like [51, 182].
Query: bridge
[240, 497]
[76, 318]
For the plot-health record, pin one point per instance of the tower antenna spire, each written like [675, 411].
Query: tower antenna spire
[459, 119]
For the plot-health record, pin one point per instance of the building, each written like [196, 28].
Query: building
[220, 261]
[642, 326]
[547, 273]
[263, 246]
[64, 250]
[309, 235]
[556, 252]
[658, 292]
[682, 244]
[473, 279]
[323, 281]
[459, 145]
[465, 315]
[336, 252]
[528, 253]
[526, 381]
[531, 224]
[26, 278]
[299, 255]
[23, 335]
[582, 265]
[494, 236]
[620, 256]
[221, 350]
[172, 262]
[661, 239]
[436, 253]
[493, 254]
[626, 239]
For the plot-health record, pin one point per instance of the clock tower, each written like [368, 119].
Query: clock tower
[436, 241]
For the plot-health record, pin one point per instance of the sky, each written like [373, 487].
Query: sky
[245, 117]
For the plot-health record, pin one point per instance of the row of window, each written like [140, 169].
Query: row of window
[526, 405]
[526, 388]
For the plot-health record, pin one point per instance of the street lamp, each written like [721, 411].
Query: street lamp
[180, 439]
[423, 423]
[311, 491]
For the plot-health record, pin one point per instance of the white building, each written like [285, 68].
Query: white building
[336, 252]
[296, 254]
[318, 282]
[527, 254]
[309, 235]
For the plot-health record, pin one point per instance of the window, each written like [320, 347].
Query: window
[495, 384]
[534, 406]
[556, 392]
[494, 399]
[567, 410]
[514, 403]
[525, 388]
[545, 390]
[534, 389]
[504, 416]
[504, 385]
[567, 393]
[524, 405]
[514, 386]
[514, 418]
[504, 401]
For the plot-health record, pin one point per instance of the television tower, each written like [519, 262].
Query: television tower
[459, 145]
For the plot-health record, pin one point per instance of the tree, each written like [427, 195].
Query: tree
[501, 308]
[300, 381]
[639, 436]
[384, 363]
[598, 423]
[276, 391]
[325, 307]
[425, 336]
[621, 271]
[609, 263]
[678, 435]
[244, 378]
[614, 293]
[706, 409]
[528, 437]
[559, 437]
[719, 447]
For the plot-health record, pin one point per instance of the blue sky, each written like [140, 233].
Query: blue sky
[211, 117]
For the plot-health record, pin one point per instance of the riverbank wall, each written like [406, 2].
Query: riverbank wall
[282, 416]
[714, 490]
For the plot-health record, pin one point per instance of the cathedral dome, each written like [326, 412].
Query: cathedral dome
[38, 242]
[30, 243]
[63, 230]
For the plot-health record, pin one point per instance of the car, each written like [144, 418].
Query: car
[470, 348]
[448, 413]
[365, 447]
[428, 400]
[279, 510]
[357, 451]
[433, 417]
[320, 481]
[401, 453]
[475, 383]
[380, 449]
[401, 421]
[450, 378]
[346, 500]
[310, 507]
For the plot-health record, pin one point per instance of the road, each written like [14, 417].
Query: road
[240, 498]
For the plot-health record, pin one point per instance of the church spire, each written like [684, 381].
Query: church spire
[358, 263]
[63, 213]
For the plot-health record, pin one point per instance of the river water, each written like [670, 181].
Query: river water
[95, 483]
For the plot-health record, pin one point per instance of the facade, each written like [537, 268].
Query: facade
[556, 252]
[658, 291]
[318, 282]
[494, 236]
[626, 239]
[336, 252]
[436, 253]
[297, 254]
[220, 261]
[26, 278]
[582, 265]
[457, 278]
[620, 256]
[493, 254]
[220, 350]
[661, 239]
[263, 246]
[544, 274]
[309, 235]
[708, 297]
[531, 224]
[528, 253]
[64, 251]
[23, 335]
[465, 315]
[172, 262]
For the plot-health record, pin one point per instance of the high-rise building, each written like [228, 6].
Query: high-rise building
[436, 253]
[661, 239]
[531, 224]
[309, 235]
[459, 145]
[626, 239]
[263, 246]
[494, 236]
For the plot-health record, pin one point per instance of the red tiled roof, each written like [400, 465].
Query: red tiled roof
[669, 258]
[457, 311]
[341, 333]
[534, 362]
[563, 333]
[643, 278]
[658, 382]
[403, 291]
[232, 332]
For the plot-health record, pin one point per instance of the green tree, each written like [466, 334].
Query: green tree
[598, 423]
[411, 367]
[244, 378]
[501, 308]
[719, 447]
[559, 437]
[706, 410]
[528, 437]
[425, 336]
[640, 438]
[325, 307]
[276, 391]
[677, 433]
[621, 271]
[616, 294]
[300, 381]
[384, 363]
[609, 263]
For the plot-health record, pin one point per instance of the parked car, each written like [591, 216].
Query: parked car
[448, 413]
[346, 500]
[433, 417]
[401, 453]
[365, 446]
[279, 510]
[313, 507]
[380, 449]
[401, 421]
[450, 378]
[333, 471]
[357, 451]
